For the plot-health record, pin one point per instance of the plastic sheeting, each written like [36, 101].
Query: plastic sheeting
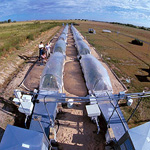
[76, 34]
[140, 136]
[73, 29]
[65, 31]
[63, 37]
[60, 46]
[82, 47]
[16, 138]
[51, 79]
[77, 38]
[96, 76]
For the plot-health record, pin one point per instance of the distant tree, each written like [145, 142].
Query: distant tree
[9, 20]
[137, 42]
[14, 21]
[143, 28]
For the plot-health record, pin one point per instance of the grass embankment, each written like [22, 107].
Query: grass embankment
[13, 36]
[127, 60]
[21, 39]
[13, 59]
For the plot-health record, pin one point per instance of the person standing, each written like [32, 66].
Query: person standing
[47, 48]
[41, 49]
[43, 58]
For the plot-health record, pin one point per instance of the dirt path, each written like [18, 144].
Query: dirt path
[76, 131]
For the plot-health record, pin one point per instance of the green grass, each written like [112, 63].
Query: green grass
[15, 35]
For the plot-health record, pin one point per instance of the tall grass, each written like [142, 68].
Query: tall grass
[15, 35]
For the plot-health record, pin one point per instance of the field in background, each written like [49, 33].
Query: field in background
[15, 35]
[130, 62]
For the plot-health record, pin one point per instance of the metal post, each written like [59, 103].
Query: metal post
[134, 109]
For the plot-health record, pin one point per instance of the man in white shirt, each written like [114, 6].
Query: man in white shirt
[41, 49]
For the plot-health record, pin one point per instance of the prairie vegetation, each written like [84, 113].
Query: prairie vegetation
[15, 35]
[130, 62]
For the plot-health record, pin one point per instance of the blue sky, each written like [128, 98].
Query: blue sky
[125, 11]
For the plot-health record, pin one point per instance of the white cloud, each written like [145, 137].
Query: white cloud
[124, 8]
[73, 5]
[134, 15]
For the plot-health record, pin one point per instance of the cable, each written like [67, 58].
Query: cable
[50, 119]
[115, 109]
[58, 124]
[49, 143]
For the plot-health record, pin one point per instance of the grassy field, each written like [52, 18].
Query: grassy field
[15, 35]
[127, 60]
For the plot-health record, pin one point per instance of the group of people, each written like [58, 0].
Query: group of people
[44, 51]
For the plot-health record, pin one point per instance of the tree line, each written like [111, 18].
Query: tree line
[131, 25]
[7, 21]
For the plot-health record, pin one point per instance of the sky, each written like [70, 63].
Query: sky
[135, 12]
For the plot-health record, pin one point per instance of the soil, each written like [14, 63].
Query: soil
[76, 130]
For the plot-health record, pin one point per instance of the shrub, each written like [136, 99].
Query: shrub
[36, 22]
[30, 37]
[16, 35]
[137, 42]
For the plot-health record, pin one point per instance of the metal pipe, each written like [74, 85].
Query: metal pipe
[133, 95]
